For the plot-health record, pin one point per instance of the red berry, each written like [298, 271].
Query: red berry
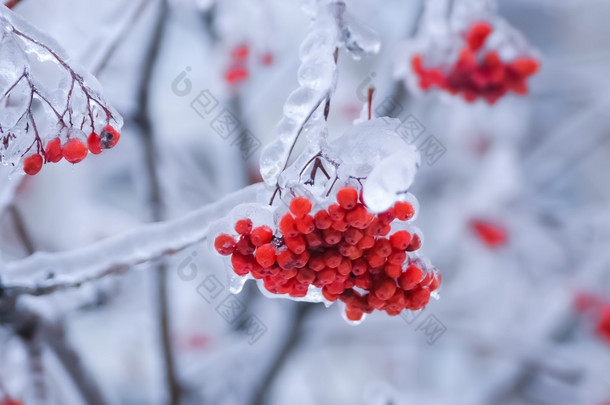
[352, 236]
[224, 244]
[387, 216]
[353, 254]
[400, 240]
[477, 35]
[332, 258]
[336, 212]
[374, 260]
[32, 164]
[393, 270]
[265, 255]
[366, 242]
[331, 236]
[267, 59]
[382, 247]
[240, 52]
[261, 235]
[347, 198]
[326, 276]
[286, 259]
[295, 243]
[242, 265]
[348, 250]
[374, 228]
[74, 151]
[244, 246]
[109, 137]
[339, 225]
[236, 74]
[603, 326]
[375, 301]
[287, 274]
[415, 243]
[300, 206]
[410, 278]
[436, 281]
[299, 290]
[314, 239]
[243, 226]
[419, 297]
[359, 217]
[316, 263]
[397, 257]
[301, 259]
[385, 289]
[345, 267]
[353, 314]
[492, 234]
[306, 276]
[287, 227]
[359, 266]
[335, 288]
[53, 151]
[94, 143]
[305, 224]
[404, 211]
[322, 220]
[329, 296]
[364, 281]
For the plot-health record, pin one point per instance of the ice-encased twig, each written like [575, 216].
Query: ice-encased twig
[43, 93]
[44, 272]
[332, 28]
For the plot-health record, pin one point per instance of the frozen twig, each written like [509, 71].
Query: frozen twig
[36, 108]
[114, 255]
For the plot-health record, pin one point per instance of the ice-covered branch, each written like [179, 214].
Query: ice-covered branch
[306, 109]
[44, 96]
[43, 272]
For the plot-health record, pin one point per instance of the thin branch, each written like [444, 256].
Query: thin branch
[143, 120]
[118, 34]
[117, 254]
[21, 229]
[292, 340]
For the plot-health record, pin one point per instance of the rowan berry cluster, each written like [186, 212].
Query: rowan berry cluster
[73, 150]
[478, 74]
[11, 402]
[238, 67]
[345, 250]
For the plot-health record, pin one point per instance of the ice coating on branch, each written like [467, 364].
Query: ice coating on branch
[374, 150]
[43, 94]
[332, 28]
[123, 251]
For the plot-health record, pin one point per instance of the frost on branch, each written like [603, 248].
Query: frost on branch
[50, 108]
[474, 53]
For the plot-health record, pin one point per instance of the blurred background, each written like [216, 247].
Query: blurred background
[515, 215]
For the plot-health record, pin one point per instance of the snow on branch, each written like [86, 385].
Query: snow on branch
[43, 272]
[50, 107]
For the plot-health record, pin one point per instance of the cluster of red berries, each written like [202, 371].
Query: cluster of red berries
[238, 69]
[342, 250]
[587, 302]
[73, 151]
[11, 402]
[603, 326]
[491, 234]
[489, 77]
